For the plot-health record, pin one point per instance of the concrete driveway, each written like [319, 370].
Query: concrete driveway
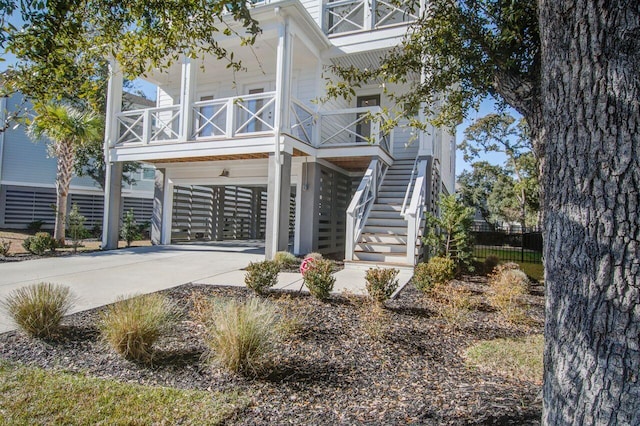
[99, 278]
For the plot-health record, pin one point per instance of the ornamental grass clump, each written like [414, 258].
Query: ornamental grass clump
[318, 277]
[241, 333]
[131, 326]
[508, 286]
[285, 260]
[381, 283]
[39, 308]
[435, 273]
[261, 276]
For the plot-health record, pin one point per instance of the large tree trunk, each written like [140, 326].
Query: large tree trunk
[591, 179]
[65, 153]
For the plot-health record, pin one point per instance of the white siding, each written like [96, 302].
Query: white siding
[314, 7]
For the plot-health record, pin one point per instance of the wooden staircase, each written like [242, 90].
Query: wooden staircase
[383, 240]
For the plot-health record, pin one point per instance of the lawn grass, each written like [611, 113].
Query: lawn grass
[513, 254]
[520, 358]
[532, 266]
[35, 396]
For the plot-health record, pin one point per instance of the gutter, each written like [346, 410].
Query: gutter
[3, 116]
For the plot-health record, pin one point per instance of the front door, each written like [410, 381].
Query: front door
[363, 127]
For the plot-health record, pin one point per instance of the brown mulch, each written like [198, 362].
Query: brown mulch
[340, 365]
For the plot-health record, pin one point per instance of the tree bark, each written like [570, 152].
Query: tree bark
[591, 179]
[65, 152]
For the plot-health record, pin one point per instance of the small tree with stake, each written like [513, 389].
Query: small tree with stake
[130, 231]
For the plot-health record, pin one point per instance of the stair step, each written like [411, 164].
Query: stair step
[372, 237]
[391, 194]
[393, 187]
[391, 200]
[377, 207]
[397, 222]
[382, 214]
[383, 248]
[389, 230]
[380, 257]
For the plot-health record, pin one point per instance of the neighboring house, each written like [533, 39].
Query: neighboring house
[253, 155]
[28, 174]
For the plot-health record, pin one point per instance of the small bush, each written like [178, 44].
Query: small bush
[5, 246]
[284, 259]
[490, 263]
[261, 276]
[38, 309]
[381, 283]
[240, 334]
[35, 226]
[508, 285]
[374, 320]
[130, 231]
[39, 243]
[132, 326]
[314, 256]
[75, 227]
[455, 305]
[436, 272]
[319, 280]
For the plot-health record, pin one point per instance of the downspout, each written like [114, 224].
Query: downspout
[3, 117]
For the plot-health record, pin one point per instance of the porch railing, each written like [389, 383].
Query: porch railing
[343, 16]
[414, 211]
[303, 122]
[361, 204]
[160, 124]
[355, 126]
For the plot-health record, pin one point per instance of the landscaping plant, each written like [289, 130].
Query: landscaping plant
[4, 247]
[130, 231]
[313, 255]
[318, 278]
[241, 333]
[75, 227]
[284, 259]
[455, 304]
[132, 325]
[381, 283]
[436, 272]
[39, 243]
[261, 276]
[38, 308]
[508, 285]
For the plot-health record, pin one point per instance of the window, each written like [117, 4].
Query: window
[148, 174]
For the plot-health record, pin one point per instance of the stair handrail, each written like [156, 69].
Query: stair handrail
[361, 204]
[415, 211]
[409, 187]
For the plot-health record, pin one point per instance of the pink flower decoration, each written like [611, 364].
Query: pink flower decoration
[306, 265]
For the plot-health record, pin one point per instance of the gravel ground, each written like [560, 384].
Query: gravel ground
[340, 365]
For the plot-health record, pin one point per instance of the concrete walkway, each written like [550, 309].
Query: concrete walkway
[99, 278]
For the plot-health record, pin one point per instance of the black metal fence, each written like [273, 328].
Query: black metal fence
[507, 244]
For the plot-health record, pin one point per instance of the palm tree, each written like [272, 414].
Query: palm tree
[67, 128]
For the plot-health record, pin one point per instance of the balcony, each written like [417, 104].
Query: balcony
[249, 116]
[348, 16]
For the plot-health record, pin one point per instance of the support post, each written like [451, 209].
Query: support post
[278, 195]
[113, 175]
[158, 199]
[309, 208]
[187, 97]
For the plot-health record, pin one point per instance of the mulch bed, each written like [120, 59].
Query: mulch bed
[338, 367]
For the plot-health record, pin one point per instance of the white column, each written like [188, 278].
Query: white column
[282, 121]
[113, 172]
[187, 97]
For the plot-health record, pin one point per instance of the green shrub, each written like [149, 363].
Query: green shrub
[381, 283]
[314, 256]
[284, 259]
[261, 276]
[490, 263]
[240, 333]
[130, 231]
[319, 280]
[35, 226]
[38, 308]
[437, 271]
[75, 227]
[39, 243]
[131, 326]
[508, 285]
[4, 247]
[455, 304]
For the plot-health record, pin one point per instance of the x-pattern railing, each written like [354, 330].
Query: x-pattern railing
[363, 129]
[164, 125]
[345, 12]
[386, 11]
[256, 115]
[149, 125]
[130, 124]
[215, 121]
[302, 122]
[356, 15]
